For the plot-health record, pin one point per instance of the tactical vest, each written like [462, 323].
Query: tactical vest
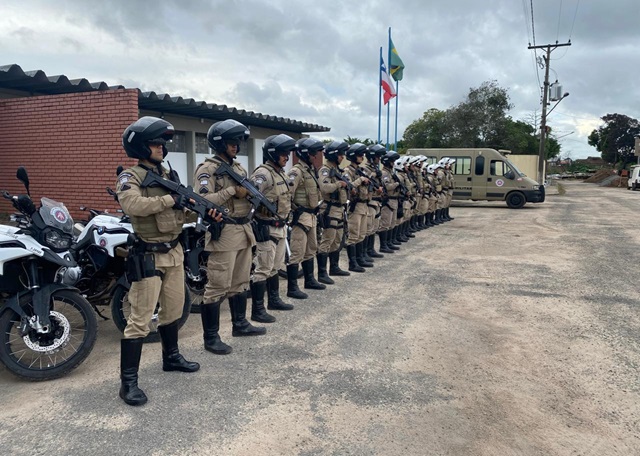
[206, 173]
[169, 221]
[279, 192]
[362, 189]
[308, 194]
[338, 196]
[387, 176]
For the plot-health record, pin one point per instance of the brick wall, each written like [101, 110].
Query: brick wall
[70, 145]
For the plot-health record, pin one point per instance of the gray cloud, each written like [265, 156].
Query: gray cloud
[318, 61]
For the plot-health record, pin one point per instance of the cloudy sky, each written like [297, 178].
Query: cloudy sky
[317, 61]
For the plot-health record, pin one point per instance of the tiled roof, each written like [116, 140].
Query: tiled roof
[38, 83]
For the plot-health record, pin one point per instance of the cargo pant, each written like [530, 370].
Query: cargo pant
[304, 242]
[357, 224]
[388, 215]
[332, 236]
[373, 217]
[270, 255]
[166, 289]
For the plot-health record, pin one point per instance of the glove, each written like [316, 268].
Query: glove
[180, 202]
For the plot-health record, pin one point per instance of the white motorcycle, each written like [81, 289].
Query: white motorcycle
[47, 328]
[100, 251]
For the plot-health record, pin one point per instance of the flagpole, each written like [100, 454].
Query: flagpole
[395, 147]
[379, 94]
[388, 104]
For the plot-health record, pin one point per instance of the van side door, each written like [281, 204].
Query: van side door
[463, 177]
[500, 180]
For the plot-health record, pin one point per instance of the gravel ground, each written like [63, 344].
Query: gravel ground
[504, 332]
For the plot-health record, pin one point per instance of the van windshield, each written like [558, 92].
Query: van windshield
[515, 168]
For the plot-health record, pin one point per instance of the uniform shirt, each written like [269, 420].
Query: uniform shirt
[303, 183]
[221, 190]
[330, 187]
[362, 190]
[274, 185]
[389, 182]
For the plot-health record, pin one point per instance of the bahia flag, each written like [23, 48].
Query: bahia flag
[385, 82]
[395, 63]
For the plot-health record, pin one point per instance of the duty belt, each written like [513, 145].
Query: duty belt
[240, 220]
[276, 223]
[159, 247]
[308, 210]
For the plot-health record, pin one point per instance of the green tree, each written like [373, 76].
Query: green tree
[615, 139]
[429, 131]
[366, 141]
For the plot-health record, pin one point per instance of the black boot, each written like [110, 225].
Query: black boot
[353, 263]
[292, 283]
[310, 282]
[365, 250]
[172, 360]
[384, 248]
[258, 312]
[210, 315]
[130, 351]
[425, 218]
[430, 219]
[402, 236]
[273, 293]
[412, 224]
[392, 238]
[334, 264]
[420, 222]
[360, 256]
[371, 244]
[408, 232]
[241, 326]
[323, 276]
[448, 216]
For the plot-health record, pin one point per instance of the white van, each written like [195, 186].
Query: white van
[487, 175]
[634, 178]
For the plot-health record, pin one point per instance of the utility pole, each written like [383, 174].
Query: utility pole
[545, 94]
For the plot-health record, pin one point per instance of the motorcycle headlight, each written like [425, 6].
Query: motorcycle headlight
[57, 241]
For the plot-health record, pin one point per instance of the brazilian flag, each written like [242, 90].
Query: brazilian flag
[395, 65]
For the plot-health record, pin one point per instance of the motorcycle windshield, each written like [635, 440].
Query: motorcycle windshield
[55, 215]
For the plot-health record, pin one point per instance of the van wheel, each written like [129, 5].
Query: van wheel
[516, 200]
[634, 186]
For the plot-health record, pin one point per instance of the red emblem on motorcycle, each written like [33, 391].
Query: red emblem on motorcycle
[59, 214]
[102, 242]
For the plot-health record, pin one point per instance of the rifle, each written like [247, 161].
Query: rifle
[334, 173]
[370, 187]
[256, 198]
[404, 191]
[201, 205]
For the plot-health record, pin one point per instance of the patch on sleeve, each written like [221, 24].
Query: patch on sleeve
[259, 179]
[203, 190]
[325, 172]
[204, 176]
[125, 187]
[204, 182]
[123, 178]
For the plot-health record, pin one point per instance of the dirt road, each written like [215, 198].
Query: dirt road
[504, 332]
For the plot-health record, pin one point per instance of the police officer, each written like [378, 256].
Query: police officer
[451, 185]
[230, 247]
[372, 168]
[331, 214]
[442, 189]
[358, 210]
[401, 168]
[270, 229]
[157, 218]
[389, 210]
[433, 194]
[303, 180]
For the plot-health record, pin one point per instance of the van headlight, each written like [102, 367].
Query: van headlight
[536, 187]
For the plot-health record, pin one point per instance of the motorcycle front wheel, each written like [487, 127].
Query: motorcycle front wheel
[34, 356]
[120, 309]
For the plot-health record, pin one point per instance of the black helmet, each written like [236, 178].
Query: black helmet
[277, 145]
[138, 135]
[307, 147]
[226, 130]
[333, 149]
[389, 158]
[377, 150]
[356, 150]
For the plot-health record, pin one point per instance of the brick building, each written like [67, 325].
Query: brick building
[68, 134]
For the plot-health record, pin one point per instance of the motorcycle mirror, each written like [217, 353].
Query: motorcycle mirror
[23, 177]
[119, 170]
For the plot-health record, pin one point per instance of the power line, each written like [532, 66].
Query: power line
[574, 20]
[559, 16]
[533, 28]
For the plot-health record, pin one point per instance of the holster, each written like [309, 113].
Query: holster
[215, 229]
[139, 263]
[260, 231]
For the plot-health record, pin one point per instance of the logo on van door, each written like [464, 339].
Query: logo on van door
[499, 182]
